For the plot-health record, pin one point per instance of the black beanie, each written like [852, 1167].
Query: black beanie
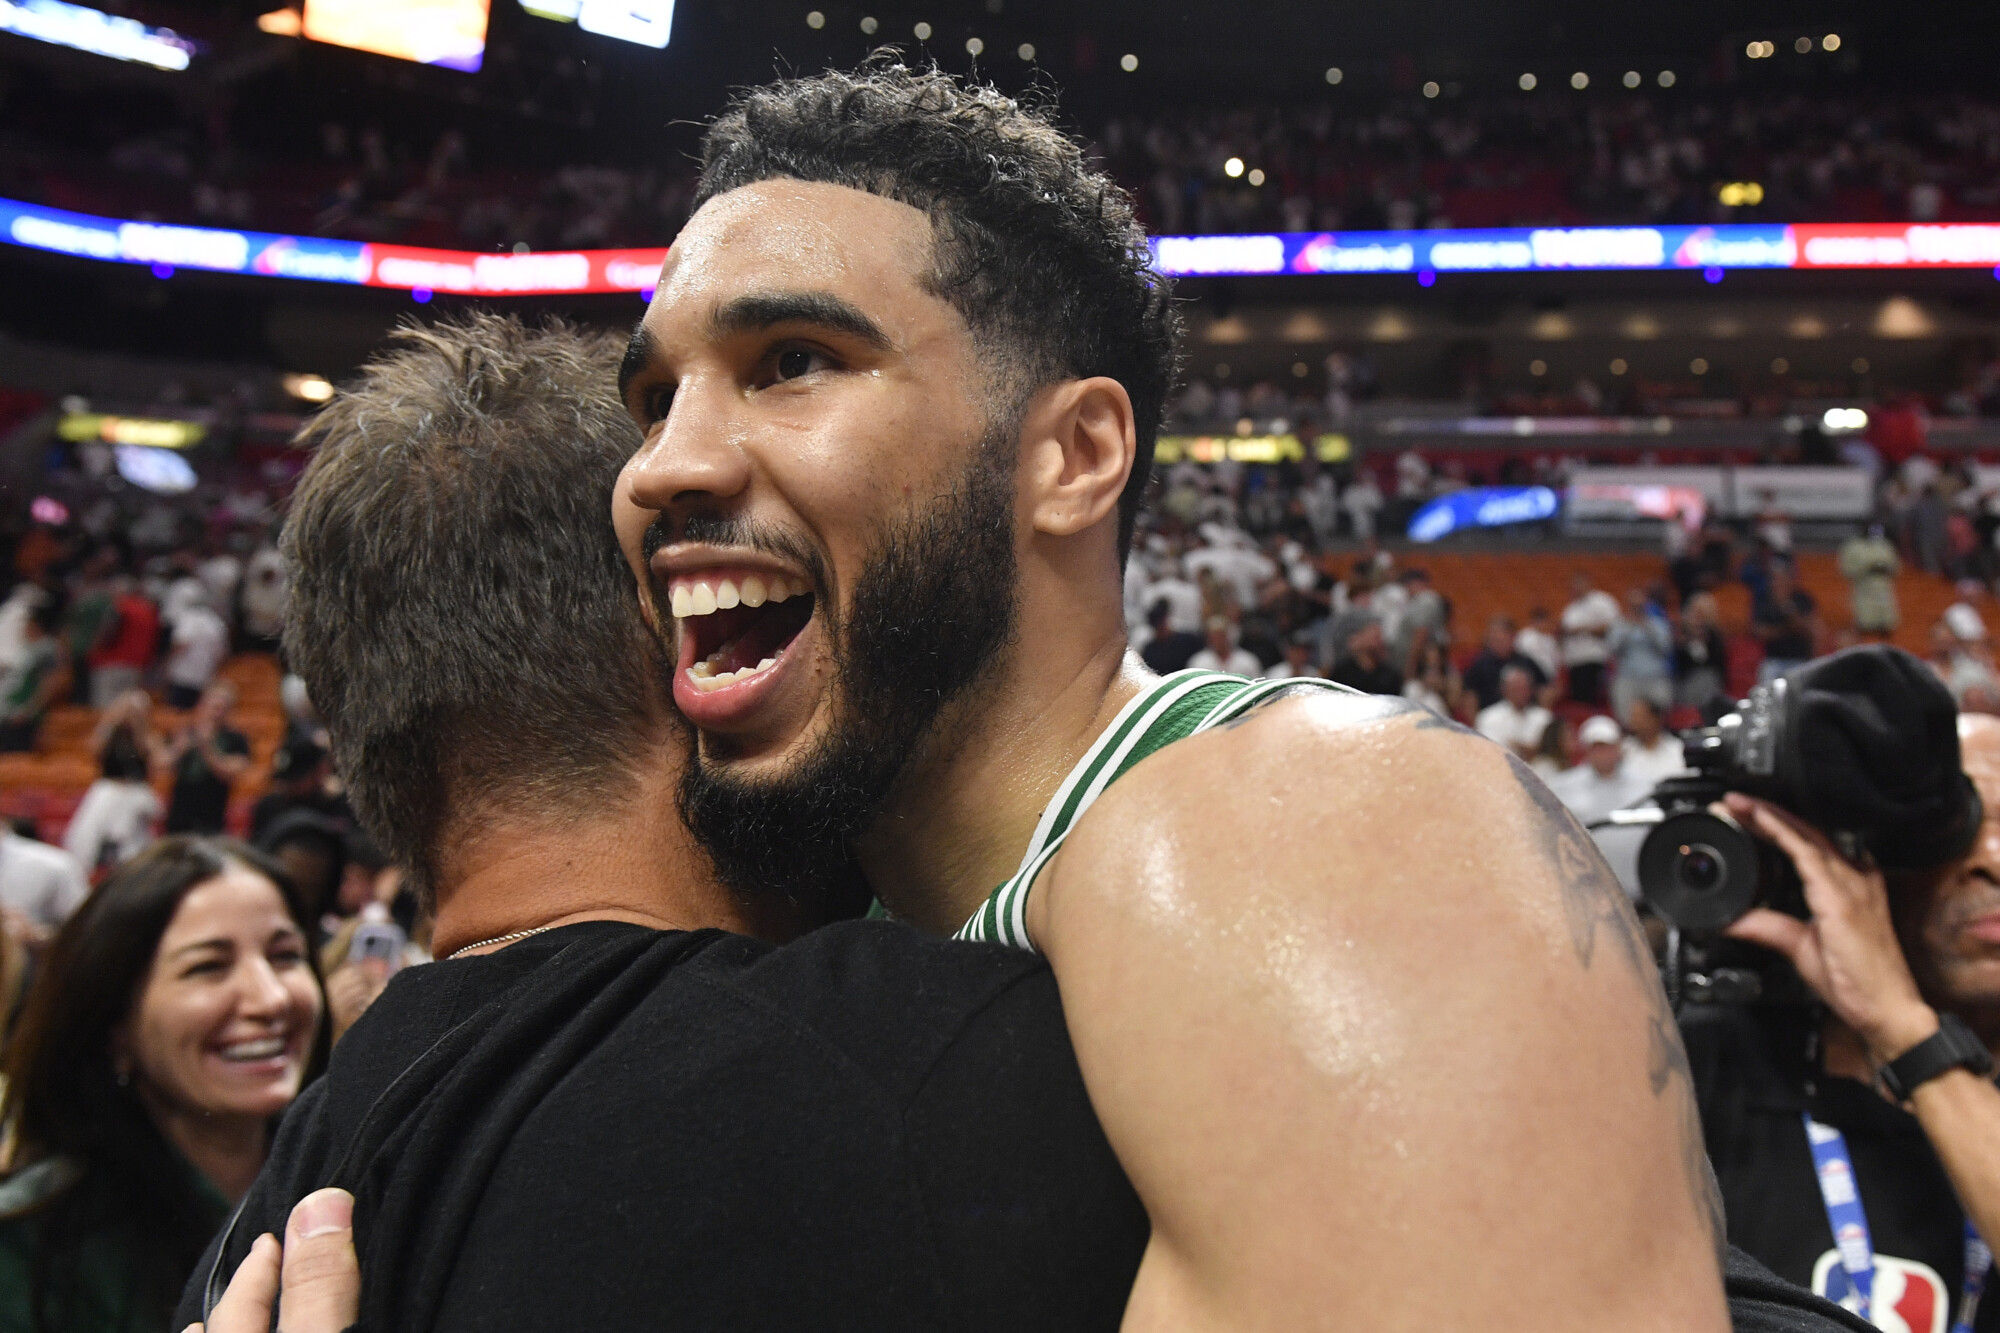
[1871, 742]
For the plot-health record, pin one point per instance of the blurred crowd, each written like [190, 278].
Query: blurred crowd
[1555, 157]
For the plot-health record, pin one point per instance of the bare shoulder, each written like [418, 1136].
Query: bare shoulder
[1362, 766]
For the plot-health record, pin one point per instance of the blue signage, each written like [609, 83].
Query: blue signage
[1489, 250]
[1482, 507]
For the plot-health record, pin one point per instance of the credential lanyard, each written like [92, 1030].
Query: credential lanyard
[1844, 1213]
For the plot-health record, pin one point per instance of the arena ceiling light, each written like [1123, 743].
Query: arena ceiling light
[308, 388]
[1844, 419]
[1334, 74]
[84, 29]
[1740, 194]
[1528, 82]
[1233, 168]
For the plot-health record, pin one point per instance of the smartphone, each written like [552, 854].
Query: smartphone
[378, 939]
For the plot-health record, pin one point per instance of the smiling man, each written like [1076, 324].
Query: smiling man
[900, 383]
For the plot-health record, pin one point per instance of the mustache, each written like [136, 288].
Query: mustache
[733, 530]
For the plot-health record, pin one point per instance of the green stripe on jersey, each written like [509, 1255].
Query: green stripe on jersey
[1174, 708]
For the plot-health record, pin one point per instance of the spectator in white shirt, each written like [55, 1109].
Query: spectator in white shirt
[198, 646]
[1362, 499]
[1601, 783]
[1651, 751]
[1537, 643]
[1222, 654]
[40, 886]
[263, 599]
[115, 822]
[1516, 721]
[1586, 625]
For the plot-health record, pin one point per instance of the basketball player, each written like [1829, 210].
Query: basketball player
[900, 383]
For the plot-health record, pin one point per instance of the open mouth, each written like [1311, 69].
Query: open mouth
[736, 627]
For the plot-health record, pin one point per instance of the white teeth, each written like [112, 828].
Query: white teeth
[706, 677]
[263, 1049]
[700, 599]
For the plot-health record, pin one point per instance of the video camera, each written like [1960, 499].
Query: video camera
[1863, 745]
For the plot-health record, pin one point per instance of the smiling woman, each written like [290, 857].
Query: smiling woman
[176, 1015]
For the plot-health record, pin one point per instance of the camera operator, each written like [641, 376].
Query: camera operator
[1871, 1116]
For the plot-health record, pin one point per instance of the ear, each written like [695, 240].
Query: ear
[1078, 442]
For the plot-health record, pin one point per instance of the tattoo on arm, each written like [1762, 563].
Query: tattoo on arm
[1595, 908]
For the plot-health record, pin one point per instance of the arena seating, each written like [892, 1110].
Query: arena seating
[47, 785]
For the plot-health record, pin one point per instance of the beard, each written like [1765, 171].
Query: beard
[933, 607]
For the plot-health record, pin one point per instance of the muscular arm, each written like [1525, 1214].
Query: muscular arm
[1376, 1036]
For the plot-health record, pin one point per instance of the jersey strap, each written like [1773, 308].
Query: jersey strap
[1173, 708]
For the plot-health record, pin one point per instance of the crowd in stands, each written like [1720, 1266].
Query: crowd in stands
[1338, 161]
[1247, 569]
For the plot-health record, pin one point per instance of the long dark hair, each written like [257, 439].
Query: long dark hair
[62, 1098]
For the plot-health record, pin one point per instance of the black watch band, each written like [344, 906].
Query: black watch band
[1953, 1045]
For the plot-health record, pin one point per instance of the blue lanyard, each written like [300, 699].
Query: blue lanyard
[1844, 1213]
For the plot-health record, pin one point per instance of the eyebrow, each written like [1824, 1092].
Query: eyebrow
[763, 310]
[755, 313]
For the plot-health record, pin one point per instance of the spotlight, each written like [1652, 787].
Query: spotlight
[815, 20]
[1830, 42]
[1299, 370]
[1026, 51]
[1631, 78]
[1802, 45]
[973, 46]
[923, 32]
[308, 388]
[1431, 90]
[1844, 418]
[1579, 80]
[1666, 78]
[1233, 168]
[1333, 74]
[869, 25]
[1527, 83]
[1538, 367]
[1698, 366]
[1618, 366]
[1128, 62]
[1256, 176]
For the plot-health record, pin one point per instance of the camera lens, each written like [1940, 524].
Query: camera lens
[1698, 871]
[1699, 867]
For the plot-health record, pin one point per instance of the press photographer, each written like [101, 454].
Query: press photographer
[1858, 1105]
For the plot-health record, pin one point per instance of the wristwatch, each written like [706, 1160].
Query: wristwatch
[1951, 1046]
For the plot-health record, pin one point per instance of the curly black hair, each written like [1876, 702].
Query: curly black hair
[1041, 255]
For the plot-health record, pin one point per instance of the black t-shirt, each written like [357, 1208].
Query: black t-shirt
[200, 798]
[1790, 620]
[1378, 679]
[1754, 1081]
[866, 1129]
[1482, 677]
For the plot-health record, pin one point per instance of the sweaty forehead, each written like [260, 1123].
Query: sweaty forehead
[798, 235]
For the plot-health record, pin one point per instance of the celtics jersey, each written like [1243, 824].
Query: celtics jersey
[1173, 708]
